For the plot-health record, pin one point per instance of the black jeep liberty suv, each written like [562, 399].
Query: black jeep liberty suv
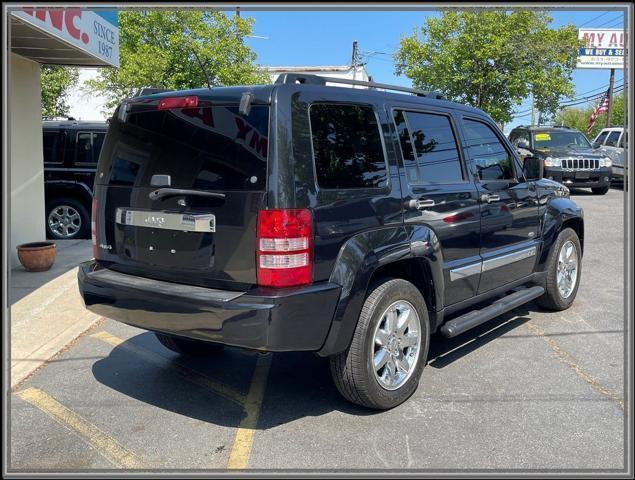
[349, 222]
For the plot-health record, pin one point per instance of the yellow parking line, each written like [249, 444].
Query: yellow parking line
[102, 442]
[189, 374]
[241, 449]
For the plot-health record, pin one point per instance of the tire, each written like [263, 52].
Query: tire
[68, 210]
[353, 371]
[552, 299]
[185, 346]
[600, 190]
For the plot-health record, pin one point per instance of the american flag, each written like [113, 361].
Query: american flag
[603, 106]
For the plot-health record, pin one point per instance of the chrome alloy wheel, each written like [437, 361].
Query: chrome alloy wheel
[64, 221]
[567, 272]
[396, 345]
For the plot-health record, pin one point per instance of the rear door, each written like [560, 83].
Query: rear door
[87, 145]
[209, 166]
[508, 206]
[438, 193]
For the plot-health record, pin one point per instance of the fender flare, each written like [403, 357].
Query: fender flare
[357, 261]
[557, 213]
[78, 188]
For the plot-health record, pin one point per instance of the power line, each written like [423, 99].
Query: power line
[619, 17]
[594, 19]
[618, 24]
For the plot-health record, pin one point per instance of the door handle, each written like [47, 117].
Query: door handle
[421, 204]
[490, 197]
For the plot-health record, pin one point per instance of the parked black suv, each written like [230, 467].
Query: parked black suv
[567, 154]
[71, 151]
[353, 223]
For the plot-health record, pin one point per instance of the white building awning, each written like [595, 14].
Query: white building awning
[66, 36]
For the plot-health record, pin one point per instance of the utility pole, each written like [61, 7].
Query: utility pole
[533, 108]
[354, 60]
[609, 113]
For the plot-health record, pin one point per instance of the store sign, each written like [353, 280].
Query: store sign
[602, 48]
[94, 32]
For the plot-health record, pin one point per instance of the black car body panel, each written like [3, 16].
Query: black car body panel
[71, 151]
[463, 239]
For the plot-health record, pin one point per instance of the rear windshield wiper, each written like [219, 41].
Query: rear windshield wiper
[173, 192]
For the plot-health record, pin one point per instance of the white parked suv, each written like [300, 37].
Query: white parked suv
[611, 142]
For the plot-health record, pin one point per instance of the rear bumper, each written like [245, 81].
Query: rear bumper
[291, 319]
[573, 178]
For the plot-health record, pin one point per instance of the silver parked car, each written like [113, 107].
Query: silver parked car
[611, 142]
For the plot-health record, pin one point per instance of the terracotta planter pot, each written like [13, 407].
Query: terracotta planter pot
[37, 256]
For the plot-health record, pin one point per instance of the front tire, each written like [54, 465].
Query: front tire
[383, 364]
[564, 269]
[185, 346]
[600, 190]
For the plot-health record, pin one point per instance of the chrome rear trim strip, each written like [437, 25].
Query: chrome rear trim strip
[167, 221]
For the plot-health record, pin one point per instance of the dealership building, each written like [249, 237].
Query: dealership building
[51, 36]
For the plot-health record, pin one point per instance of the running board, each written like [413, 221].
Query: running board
[474, 318]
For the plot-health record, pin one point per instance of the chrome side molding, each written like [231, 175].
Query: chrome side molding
[491, 264]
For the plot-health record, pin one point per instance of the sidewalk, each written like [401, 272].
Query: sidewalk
[47, 312]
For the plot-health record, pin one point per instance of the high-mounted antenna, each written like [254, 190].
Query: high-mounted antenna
[209, 83]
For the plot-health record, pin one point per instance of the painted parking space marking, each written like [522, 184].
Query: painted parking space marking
[244, 439]
[105, 445]
[191, 375]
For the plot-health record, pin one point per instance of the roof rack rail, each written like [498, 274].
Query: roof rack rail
[319, 80]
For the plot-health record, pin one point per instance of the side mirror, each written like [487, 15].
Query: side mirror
[533, 168]
[522, 144]
[596, 144]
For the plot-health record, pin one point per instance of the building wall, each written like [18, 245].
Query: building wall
[25, 154]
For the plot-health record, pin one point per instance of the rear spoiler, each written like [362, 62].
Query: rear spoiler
[150, 91]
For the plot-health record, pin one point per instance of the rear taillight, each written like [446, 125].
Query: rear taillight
[284, 248]
[178, 102]
[93, 227]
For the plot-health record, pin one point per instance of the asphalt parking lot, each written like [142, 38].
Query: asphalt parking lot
[530, 390]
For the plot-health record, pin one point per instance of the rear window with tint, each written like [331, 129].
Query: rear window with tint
[347, 147]
[210, 148]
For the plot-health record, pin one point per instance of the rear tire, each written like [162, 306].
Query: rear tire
[600, 190]
[67, 219]
[355, 372]
[553, 298]
[186, 346]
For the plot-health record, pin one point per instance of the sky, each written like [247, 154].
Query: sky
[301, 38]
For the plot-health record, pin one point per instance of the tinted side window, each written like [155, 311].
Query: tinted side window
[623, 139]
[407, 152]
[84, 148]
[600, 138]
[53, 143]
[489, 155]
[611, 140]
[347, 147]
[98, 141]
[437, 154]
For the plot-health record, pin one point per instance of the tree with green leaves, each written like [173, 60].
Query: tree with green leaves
[56, 82]
[576, 117]
[170, 49]
[492, 59]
